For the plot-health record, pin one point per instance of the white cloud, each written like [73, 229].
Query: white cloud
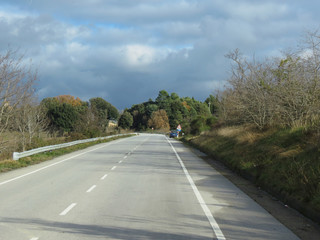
[141, 55]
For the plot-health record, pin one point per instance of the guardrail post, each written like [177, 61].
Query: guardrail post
[15, 156]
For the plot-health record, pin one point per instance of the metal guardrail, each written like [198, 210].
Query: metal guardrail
[17, 155]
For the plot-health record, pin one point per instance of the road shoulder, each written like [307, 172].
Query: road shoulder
[303, 227]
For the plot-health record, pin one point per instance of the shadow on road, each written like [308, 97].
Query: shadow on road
[95, 231]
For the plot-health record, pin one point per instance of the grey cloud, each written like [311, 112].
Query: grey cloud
[126, 51]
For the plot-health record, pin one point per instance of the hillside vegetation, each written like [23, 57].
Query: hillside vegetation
[269, 124]
[286, 162]
[167, 112]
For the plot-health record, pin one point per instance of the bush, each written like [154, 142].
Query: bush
[211, 121]
[199, 125]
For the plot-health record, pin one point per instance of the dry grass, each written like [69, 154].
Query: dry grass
[291, 152]
[242, 134]
[230, 131]
[285, 160]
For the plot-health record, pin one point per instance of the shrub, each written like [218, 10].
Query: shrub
[199, 125]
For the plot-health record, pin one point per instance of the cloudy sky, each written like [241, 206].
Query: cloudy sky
[126, 51]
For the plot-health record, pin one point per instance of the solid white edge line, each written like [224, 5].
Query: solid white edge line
[64, 212]
[90, 189]
[51, 165]
[204, 206]
[104, 176]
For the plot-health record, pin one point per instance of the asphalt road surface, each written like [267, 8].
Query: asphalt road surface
[143, 187]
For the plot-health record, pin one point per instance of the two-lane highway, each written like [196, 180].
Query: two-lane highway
[143, 187]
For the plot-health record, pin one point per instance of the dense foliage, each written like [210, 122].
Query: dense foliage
[168, 111]
[125, 120]
[67, 114]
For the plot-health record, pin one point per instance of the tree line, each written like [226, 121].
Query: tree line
[280, 91]
[26, 122]
[167, 111]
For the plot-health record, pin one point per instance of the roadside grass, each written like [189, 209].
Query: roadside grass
[285, 162]
[8, 165]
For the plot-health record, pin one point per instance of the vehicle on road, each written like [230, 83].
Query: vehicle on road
[174, 134]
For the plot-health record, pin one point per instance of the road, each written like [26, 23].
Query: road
[142, 187]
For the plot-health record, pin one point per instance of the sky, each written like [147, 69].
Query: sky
[126, 51]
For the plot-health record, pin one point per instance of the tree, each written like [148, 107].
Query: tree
[178, 110]
[163, 96]
[62, 116]
[16, 85]
[275, 92]
[213, 104]
[140, 118]
[199, 125]
[174, 96]
[164, 101]
[69, 100]
[249, 100]
[99, 108]
[113, 113]
[30, 120]
[125, 120]
[150, 108]
[159, 120]
[103, 111]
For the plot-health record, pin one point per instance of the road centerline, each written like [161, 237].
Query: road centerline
[90, 189]
[65, 212]
[104, 177]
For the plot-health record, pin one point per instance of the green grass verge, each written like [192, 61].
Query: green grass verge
[283, 161]
[8, 165]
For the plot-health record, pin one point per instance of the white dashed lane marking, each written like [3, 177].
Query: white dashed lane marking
[90, 189]
[65, 212]
[104, 177]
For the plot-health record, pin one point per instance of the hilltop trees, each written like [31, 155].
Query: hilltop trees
[167, 112]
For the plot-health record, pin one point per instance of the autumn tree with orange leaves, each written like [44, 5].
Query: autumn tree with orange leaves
[69, 100]
[159, 120]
